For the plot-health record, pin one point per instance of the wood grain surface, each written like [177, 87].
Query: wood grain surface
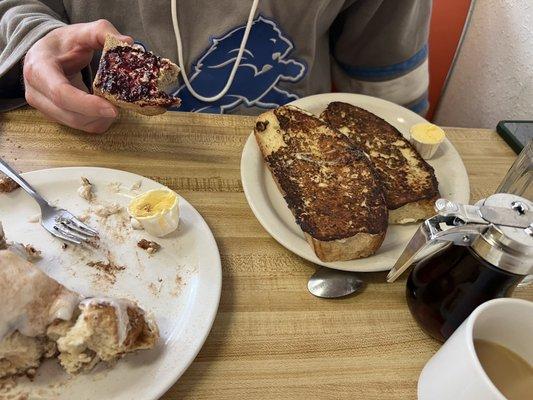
[271, 339]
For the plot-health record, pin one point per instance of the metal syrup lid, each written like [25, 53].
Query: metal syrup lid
[499, 229]
[508, 248]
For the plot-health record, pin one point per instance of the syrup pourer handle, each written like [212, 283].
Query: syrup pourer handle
[420, 241]
[429, 234]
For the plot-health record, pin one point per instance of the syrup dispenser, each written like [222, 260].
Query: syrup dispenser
[479, 253]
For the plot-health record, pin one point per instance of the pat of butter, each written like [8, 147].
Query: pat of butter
[157, 211]
[426, 138]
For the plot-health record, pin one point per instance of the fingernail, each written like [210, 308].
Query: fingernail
[108, 112]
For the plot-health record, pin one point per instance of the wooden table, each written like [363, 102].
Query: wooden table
[271, 338]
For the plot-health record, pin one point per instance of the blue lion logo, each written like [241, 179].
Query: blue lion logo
[263, 65]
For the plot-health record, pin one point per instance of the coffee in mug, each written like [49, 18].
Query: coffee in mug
[489, 357]
[510, 373]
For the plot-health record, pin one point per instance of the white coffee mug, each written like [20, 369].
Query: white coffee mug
[455, 373]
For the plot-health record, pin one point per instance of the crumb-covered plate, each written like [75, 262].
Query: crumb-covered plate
[177, 278]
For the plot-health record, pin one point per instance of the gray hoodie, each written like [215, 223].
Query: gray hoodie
[296, 48]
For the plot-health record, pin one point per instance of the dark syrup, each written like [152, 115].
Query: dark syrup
[444, 289]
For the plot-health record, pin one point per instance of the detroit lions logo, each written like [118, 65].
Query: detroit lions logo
[263, 65]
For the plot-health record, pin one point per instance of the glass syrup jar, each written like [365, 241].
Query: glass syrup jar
[485, 252]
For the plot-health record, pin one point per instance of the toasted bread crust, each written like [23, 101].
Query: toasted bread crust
[166, 78]
[330, 187]
[406, 178]
[360, 245]
[144, 110]
[112, 42]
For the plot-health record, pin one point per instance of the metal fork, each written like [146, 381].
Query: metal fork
[60, 223]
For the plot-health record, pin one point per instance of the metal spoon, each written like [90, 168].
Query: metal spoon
[332, 283]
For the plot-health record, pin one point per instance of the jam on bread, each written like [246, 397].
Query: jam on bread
[132, 78]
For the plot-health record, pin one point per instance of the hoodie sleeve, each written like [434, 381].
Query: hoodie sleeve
[379, 48]
[22, 23]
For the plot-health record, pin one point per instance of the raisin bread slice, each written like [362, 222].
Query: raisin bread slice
[135, 79]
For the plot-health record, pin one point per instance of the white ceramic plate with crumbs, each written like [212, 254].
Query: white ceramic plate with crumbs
[180, 284]
[271, 210]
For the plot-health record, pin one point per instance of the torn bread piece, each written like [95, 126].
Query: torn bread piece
[132, 78]
[29, 302]
[40, 318]
[106, 329]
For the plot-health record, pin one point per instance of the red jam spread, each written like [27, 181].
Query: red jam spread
[131, 75]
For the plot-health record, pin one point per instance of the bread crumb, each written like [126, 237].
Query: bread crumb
[108, 268]
[178, 285]
[26, 251]
[107, 210]
[83, 217]
[33, 253]
[7, 185]
[150, 246]
[156, 288]
[85, 191]
[114, 187]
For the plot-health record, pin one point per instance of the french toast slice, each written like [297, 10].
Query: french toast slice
[408, 181]
[329, 186]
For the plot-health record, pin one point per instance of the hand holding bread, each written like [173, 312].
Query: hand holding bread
[53, 81]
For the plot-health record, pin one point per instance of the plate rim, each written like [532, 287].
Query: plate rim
[308, 254]
[216, 291]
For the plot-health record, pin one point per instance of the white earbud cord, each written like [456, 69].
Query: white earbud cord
[235, 66]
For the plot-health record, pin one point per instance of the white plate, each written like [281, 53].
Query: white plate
[271, 210]
[188, 265]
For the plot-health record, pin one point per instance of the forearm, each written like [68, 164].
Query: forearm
[22, 23]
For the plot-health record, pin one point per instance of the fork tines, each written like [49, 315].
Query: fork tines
[73, 230]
